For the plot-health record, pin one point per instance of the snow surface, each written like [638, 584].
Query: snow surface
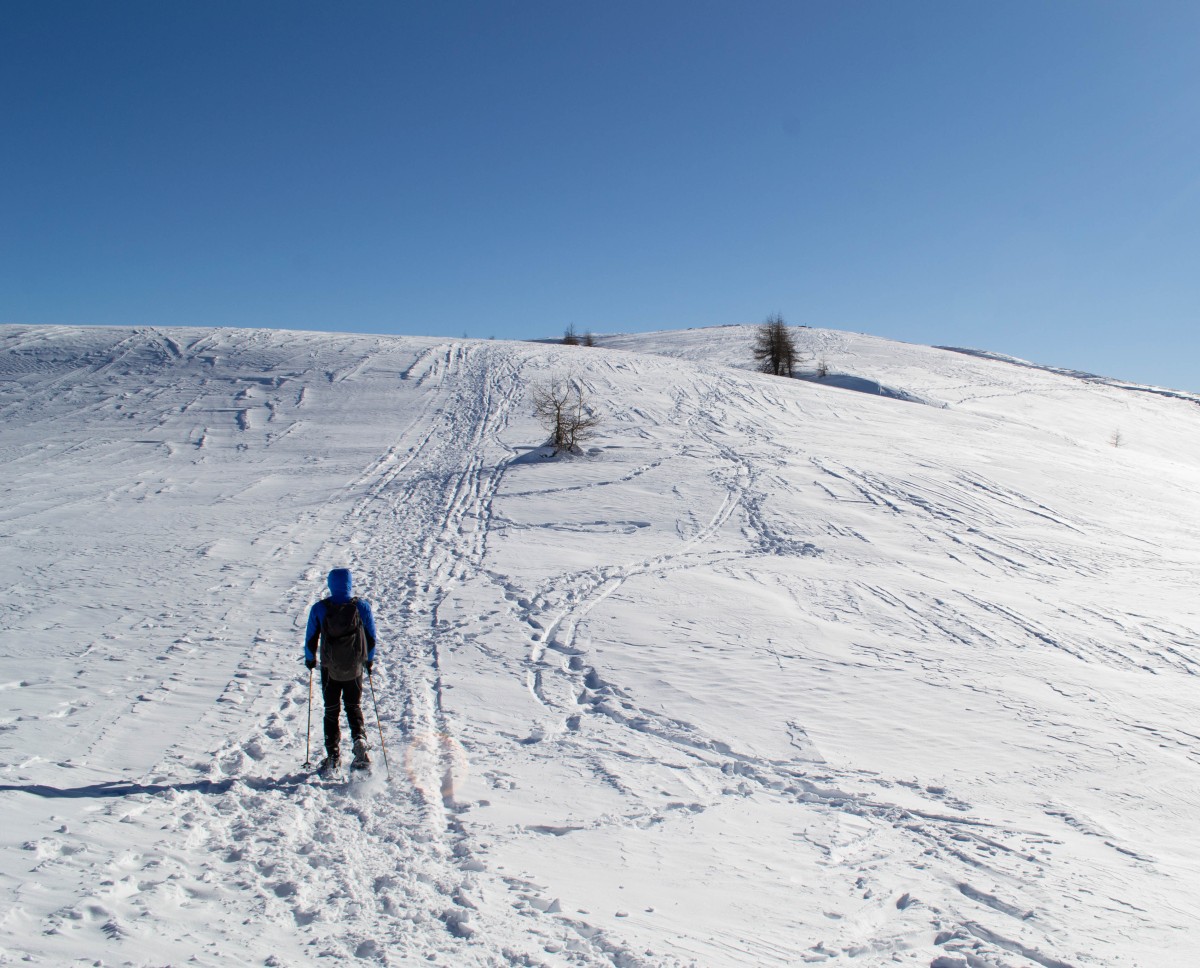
[779, 673]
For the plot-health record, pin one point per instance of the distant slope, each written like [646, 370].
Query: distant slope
[781, 674]
[1080, 375]
[1086, 409]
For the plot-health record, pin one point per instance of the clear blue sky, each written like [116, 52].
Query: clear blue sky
[1022, 176]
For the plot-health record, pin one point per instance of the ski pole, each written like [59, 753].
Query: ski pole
[308, 735]
[378, 724]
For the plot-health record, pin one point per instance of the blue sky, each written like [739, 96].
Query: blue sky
[1016, 176]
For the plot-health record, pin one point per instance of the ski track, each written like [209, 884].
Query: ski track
[405, 870]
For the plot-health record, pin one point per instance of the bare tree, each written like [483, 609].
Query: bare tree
[588, 339]
[569, 337]
[774, 347]
[562, 410]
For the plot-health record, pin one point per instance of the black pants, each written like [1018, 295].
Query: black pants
[336, 694]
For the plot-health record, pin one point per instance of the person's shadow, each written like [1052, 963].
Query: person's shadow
[119, 788]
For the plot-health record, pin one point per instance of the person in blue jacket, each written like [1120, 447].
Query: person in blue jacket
[341, 691]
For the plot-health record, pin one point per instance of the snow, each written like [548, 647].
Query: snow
[891, 667]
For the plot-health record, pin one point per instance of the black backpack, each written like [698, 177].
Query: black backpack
[343, 640]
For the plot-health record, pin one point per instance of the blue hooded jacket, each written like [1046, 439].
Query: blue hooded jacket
[339, 591]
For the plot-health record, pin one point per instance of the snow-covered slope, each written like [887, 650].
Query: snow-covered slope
[779, 674]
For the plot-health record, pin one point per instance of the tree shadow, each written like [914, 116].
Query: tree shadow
[532, 455]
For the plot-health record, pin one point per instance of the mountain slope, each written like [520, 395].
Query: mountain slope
[779, 674]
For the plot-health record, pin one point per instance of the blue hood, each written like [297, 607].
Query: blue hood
[339, 584]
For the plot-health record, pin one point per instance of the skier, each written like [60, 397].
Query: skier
[345, 631]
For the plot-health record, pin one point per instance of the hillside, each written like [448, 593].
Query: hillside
[779, 673]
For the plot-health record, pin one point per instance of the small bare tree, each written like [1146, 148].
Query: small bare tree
[774, 347]
[588, 340]
[570, 338]
[562, 410]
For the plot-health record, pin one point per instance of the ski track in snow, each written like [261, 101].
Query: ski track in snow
[778, 674]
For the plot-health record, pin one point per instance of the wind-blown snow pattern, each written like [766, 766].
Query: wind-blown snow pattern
[776, 673]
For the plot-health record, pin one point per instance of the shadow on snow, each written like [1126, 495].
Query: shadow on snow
[129, 789]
